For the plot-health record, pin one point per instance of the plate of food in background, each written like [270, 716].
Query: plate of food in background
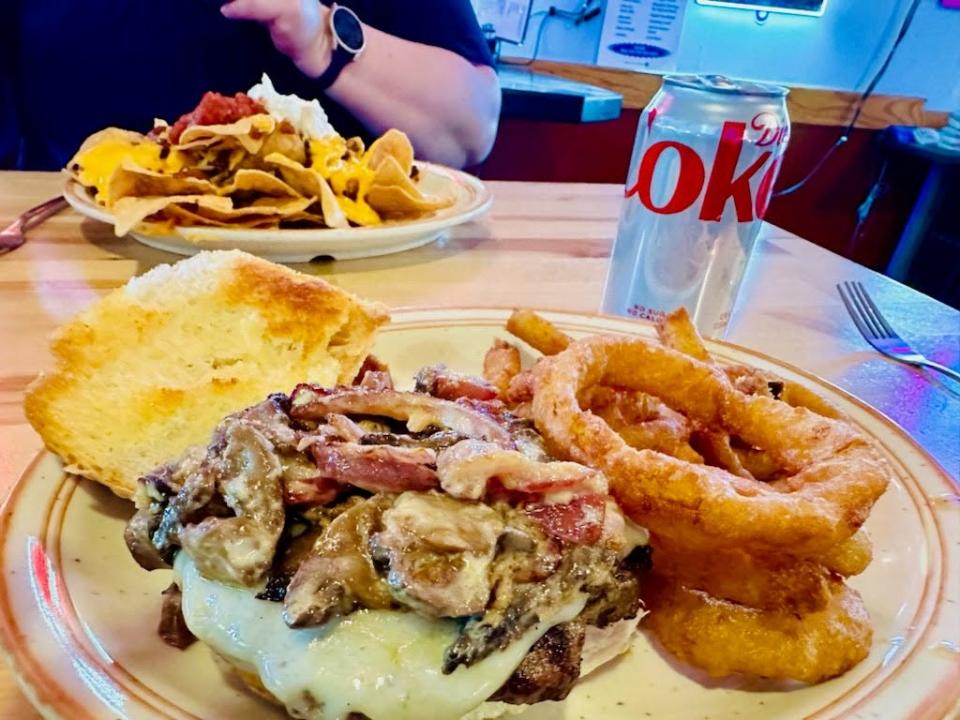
[460, 513]
[266, 173]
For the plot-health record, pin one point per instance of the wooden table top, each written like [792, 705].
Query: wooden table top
[543, 245]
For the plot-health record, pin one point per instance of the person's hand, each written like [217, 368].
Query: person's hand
[298, 29]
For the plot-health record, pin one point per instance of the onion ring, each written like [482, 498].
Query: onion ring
[717, 449]
[678, 332]
[833, 473]
[851, 557]
[756, 462]
[764, 582]
[723, 637]
[752, 381]
[643, 421]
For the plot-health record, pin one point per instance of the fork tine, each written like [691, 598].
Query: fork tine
[847, 296]
[890, 332]
[854, 312]
[858, 294]
[865, 314]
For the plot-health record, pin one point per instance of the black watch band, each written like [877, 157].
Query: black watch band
[348, 42]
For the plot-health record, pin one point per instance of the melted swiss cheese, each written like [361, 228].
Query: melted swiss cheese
[382, 663]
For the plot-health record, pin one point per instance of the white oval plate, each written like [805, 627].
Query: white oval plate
[473, 198]
[78, 616]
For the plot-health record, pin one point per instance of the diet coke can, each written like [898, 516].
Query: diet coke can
[706, 156]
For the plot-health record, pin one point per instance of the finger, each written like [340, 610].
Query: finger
[261, 10]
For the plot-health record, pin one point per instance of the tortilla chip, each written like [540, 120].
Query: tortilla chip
[393, 143]
[253, 172]
[312, 184]
[251, 180]
[218, 161]
[110, 134]
[391, 173]
[394, 195]
[128, 212]
[181, 215]
[251, 132]
[395, 203]
[332, 212]
[287, 144]
[259, 208]
[310, 181]
[304, 180]
[131, 180]
[164, 226]
[305, 219]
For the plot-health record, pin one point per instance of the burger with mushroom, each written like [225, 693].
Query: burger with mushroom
[361, 552]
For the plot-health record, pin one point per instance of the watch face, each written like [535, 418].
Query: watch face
[348, 29]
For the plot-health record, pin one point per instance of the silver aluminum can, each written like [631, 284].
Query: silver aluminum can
[706, 156]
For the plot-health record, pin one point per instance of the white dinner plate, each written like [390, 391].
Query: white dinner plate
[78, 615]
[472, 199]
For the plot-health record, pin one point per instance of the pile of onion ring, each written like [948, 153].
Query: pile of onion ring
[754, 489]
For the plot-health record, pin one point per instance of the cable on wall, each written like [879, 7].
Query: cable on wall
[868, 91]
[587, 10]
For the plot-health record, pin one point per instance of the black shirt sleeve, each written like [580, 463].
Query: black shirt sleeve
[448, 24]
[189, 48]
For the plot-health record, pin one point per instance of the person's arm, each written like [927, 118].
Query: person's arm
[448, 106]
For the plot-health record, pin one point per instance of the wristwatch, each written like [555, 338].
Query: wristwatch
[348, 43]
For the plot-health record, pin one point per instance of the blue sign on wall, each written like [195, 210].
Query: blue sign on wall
[638, 50]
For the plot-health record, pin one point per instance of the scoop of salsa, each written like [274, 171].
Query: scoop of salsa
[216, 109]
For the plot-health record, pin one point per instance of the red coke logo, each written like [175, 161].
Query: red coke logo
[723, 183]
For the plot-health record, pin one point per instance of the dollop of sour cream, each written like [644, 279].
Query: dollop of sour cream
[306, 116]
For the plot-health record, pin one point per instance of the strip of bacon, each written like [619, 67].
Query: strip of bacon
[376, 468]
[579, 521]
[312, 491]
[373, 375]
[441, 382]
[371, 363]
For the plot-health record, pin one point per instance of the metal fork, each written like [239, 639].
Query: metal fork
[11, 237]
[877, 331]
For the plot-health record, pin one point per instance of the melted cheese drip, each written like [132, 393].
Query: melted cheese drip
[98, 164]
[326, 154]
[358, 211]
[326, 157]
[382, 663]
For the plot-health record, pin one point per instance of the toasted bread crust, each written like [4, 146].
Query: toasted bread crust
[152, 367]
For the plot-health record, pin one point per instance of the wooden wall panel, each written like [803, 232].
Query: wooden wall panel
[806, 105]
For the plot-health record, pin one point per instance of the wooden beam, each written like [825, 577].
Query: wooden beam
[811, 106]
